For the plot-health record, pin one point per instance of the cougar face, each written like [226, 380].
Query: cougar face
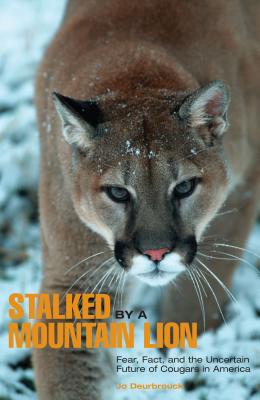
[148, 174]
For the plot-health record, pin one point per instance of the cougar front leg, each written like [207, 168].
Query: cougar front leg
[69, 374]
[198, 295]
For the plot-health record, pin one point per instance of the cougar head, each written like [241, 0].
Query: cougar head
[147, 173]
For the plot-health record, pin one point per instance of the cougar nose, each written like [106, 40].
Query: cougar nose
[157, 255]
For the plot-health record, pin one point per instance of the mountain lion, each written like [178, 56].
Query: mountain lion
[149, 119]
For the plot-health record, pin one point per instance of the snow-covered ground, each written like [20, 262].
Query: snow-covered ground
[25, 28]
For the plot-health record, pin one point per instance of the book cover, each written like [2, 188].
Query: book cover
[129, 197]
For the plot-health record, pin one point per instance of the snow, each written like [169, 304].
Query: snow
[25, 29]
[131, 149]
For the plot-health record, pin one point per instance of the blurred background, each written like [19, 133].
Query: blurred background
[26, 27]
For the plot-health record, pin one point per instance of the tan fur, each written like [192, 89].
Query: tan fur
[146, 63]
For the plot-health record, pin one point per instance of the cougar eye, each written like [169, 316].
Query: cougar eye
[117, 194]
[185, 188]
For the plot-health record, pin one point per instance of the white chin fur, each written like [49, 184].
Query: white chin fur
[157, 274]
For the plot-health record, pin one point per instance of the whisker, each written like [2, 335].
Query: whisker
[84, 274]
[175, 285]
[95, 273]
[198, 276]
[119, 281]
[238, 258]
[116, 283]
[197, 293]
[214, 258]
[226, 212]
[102, 279]
[201, 297]
[80, 302]
[85, 259]
[213, 293]
[107, 276]
[224, 287]
[114, 275]
[238, 248]
[209, 240]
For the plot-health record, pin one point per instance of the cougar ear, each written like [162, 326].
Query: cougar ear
[207, 107]
[79, 119]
